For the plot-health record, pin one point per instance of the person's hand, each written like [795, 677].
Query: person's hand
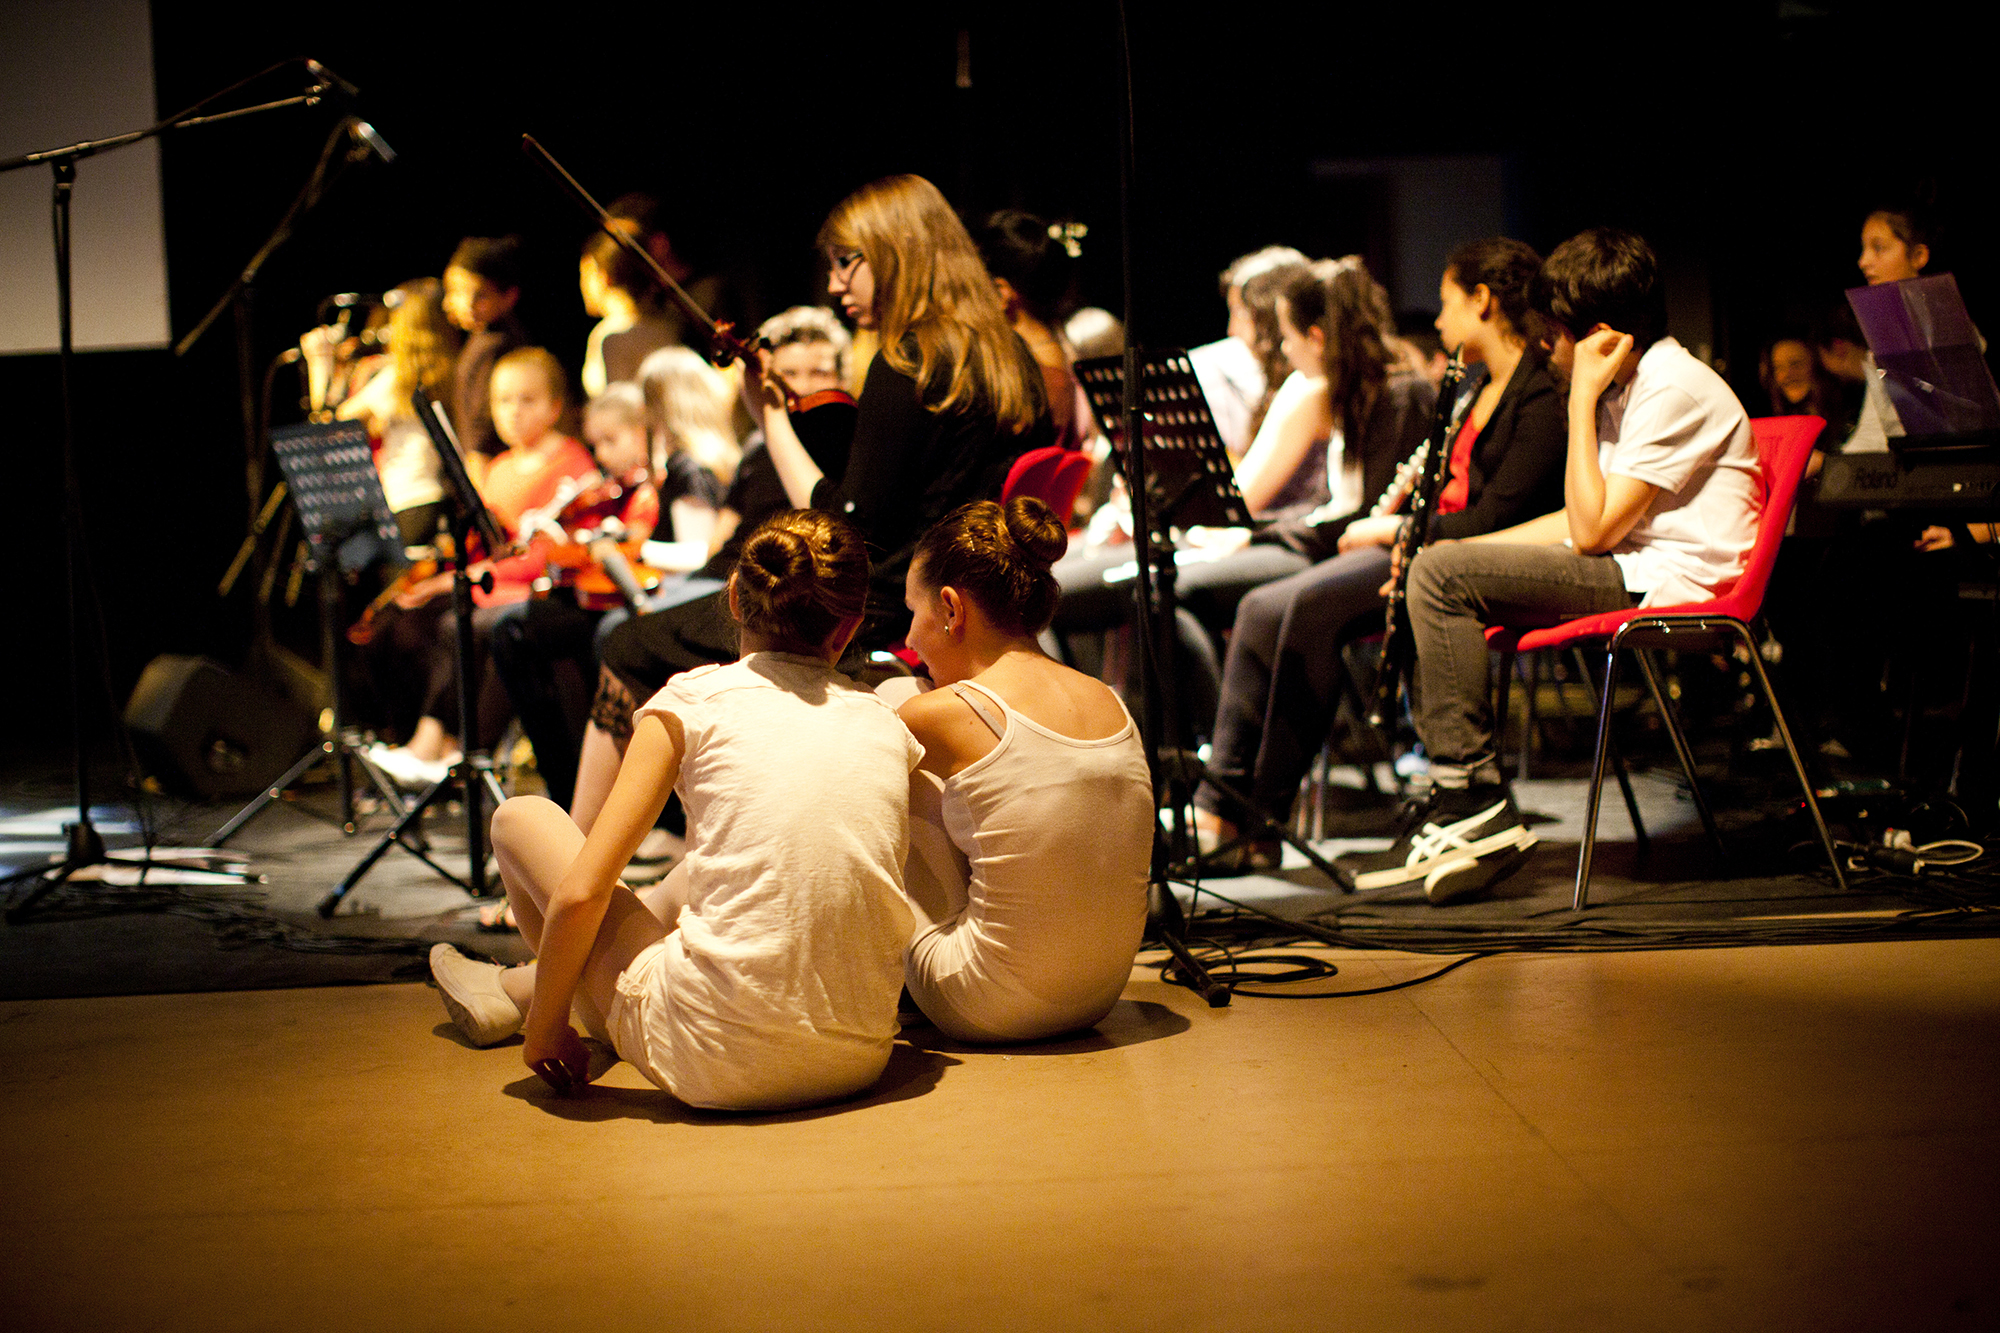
[423, 590]
[763, 391]
[1214, 543]
[1598, 357]
[1371, 532]
[562, 1061]
[1934, 539]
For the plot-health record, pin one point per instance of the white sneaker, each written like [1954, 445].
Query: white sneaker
[1454, 827]
[474, 997]
[406, 770]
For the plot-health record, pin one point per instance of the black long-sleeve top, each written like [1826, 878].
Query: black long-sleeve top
[907, 468]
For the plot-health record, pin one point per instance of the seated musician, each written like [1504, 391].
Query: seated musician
[482, 285]
[1240, 373]
[1337, 428]
[808, 350]
[1849, 585]
[690, 410]
[1660, 508]
[422, 345]
[414, 654]
[1034, 273]
[950, 401]
[543, 653]
[1281, 677]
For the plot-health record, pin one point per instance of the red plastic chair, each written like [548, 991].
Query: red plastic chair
[1783, 445]
[1052, 474]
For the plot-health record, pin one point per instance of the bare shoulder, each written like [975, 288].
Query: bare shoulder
[927, 711]
[1059, 698]
[953, 736]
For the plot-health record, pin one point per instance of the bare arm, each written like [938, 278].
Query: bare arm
[1600, 509]
[726, 521]
[576, 908]
[1298, 417]
[796, 469]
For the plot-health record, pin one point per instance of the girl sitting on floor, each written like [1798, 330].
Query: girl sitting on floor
[1031, 818]
[774, 978]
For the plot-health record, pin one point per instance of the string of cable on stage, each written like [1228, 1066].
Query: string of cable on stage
[1249, 950]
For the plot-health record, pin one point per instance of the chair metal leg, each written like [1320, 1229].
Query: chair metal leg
[1531, 680]
[1500, 708]
[1583, 858]
[1682, 751]
[1792, 752]
[1640, 837]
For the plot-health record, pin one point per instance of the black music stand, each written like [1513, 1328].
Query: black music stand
[1189, 482]
[473, 773]
[330, 477]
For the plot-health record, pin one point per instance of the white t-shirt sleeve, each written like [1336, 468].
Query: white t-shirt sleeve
[1666, 437]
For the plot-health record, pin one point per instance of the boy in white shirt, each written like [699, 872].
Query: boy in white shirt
[1661, 499]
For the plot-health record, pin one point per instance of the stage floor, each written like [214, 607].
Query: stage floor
[1769, 1138]
[1764, 1137]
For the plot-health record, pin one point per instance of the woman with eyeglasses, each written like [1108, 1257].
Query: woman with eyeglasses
[949, 402]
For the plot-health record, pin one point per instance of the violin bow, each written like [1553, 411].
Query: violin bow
[724, 344]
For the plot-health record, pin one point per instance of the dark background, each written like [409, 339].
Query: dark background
[1746, 141]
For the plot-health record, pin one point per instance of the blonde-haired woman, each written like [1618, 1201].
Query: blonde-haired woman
[423, 347]
[949, 402]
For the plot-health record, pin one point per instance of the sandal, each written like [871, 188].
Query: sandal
[497, 916]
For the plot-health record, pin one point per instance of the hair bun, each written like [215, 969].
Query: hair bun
[773, 557]
[799, 575]
[1035, 530]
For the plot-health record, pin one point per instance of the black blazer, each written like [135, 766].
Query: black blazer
[1516, 470]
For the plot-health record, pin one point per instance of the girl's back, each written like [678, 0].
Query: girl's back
[786, 964]
[1055, 822]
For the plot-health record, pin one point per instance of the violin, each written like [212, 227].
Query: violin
[589, 557]
[362, 631]
[824, 421]
[602, 573]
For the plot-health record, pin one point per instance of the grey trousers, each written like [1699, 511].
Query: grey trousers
[1458, 589]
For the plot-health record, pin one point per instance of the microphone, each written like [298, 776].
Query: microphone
[364, 135]
[327, 76]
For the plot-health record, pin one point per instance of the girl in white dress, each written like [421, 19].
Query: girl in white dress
[766, 973]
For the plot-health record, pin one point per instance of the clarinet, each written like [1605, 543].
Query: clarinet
[1399, 644]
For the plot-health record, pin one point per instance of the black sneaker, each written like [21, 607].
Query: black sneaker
[1457, 827]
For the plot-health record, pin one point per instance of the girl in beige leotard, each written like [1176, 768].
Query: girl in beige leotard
[1031, 817]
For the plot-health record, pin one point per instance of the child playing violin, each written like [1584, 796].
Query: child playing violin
[418, 644]
[532, 640]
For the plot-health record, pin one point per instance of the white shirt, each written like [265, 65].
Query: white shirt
[780, 984]
[1678, 426]
[406, 462]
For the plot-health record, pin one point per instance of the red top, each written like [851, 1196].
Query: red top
[516, 483]
[1457, 490]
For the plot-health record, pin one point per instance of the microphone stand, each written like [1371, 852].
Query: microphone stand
[1164, 757]
[85, 846]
